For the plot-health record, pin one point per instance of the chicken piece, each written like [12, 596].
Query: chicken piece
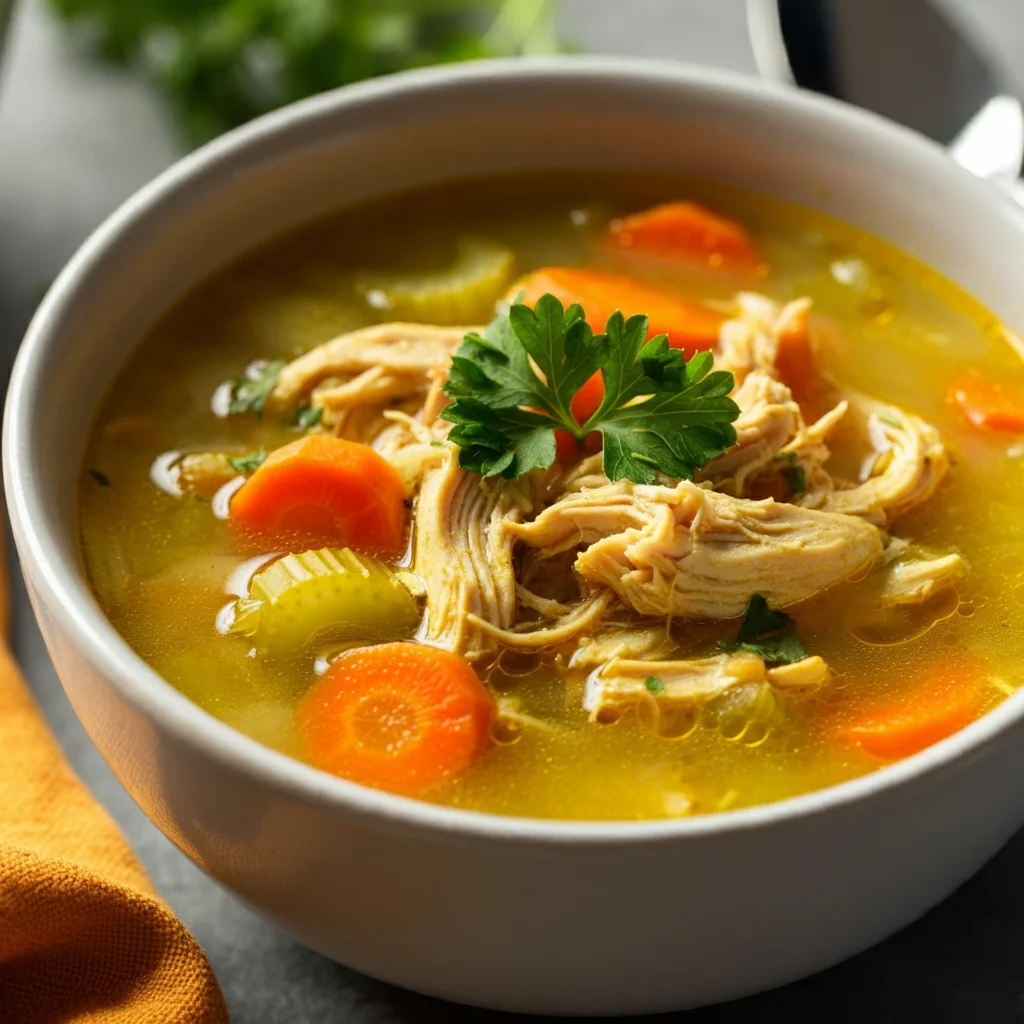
[809, 451]
[907, 465]
[695, 553]
[915, 578]
[583, 616]
[750, 340]
[205, 473]
[747, 342]
[768, 419]
[412, 350]
[621, 685]
[668, 689]
[462, 550]
[637, 643]
[356, 376]
[807, 673]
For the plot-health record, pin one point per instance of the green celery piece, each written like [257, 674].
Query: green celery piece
[328, 596]
[461, 293]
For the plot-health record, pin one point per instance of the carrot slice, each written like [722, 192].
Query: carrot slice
[686, 231]
[323, 491]
[934, 712]
[401, 716]
[989, 405]
[688, 324]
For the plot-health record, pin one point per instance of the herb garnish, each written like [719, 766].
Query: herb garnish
[654, 685]
[513, 387]
[250, 393]
[794, 475]
[100, 477]
[768, 634]
[305, 418]
[249, 462]
[796, 479]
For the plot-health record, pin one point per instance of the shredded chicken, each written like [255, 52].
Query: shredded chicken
[749, 341]
[204, 473]
[640, 643]
[672, 686]
[809, 672]
[809, 451]
[691, 552]
[907, 464]
[768, 419]
[915, 579]
[463, 552]
[621, 685]
[580, 618]
[666, 688]
[354, 377]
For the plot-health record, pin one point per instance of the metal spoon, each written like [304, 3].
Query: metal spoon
[903, 59]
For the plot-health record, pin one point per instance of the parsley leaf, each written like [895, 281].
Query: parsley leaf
[513, 387]
[249, 462]
[250, 393]
[760, 620]
[780, 650]
[306, 418]
[100, 477]
[796, 479]
[654, 685]
[768, 634]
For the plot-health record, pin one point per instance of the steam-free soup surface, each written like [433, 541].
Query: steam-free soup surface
[167, 563]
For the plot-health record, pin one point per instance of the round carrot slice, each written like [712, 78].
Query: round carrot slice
[322, 491]
[401, 716]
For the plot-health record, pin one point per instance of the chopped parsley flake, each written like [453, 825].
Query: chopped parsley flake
[249, 462]
[654, 685]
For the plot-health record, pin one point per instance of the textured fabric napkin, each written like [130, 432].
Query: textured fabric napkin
[83, 934]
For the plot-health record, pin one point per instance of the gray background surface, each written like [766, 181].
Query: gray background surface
[75, 139]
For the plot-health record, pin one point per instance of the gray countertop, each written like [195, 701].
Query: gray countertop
[75, 139]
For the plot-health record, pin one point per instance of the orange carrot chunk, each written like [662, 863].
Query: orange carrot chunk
[989, 405]
[931, 714]
[403, 717]
[685, 231]
[688, 324]
[323, 491]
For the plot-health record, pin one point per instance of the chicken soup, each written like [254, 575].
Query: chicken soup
[571, 496]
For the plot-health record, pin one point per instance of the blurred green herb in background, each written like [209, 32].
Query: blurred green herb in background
[222, 62]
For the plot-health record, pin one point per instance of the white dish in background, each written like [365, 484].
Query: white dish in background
[516, 914]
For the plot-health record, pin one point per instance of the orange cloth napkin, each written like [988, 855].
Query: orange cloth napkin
[83, 934]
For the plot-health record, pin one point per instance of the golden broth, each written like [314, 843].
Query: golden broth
[160, 563]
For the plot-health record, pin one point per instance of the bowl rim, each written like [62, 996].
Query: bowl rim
[65, 593]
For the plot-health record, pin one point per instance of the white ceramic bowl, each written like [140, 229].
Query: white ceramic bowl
[515, 914]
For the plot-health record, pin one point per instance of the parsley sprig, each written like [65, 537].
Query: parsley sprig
[250, 393]
[768, 634]
[513, 387]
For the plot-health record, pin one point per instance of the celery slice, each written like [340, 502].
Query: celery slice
[463, 292]
[328, 596]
